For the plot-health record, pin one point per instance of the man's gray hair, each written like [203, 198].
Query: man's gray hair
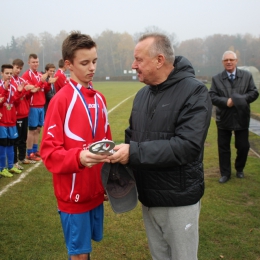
[161, 45]
[229, 52]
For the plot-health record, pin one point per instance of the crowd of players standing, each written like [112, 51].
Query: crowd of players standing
[23, 103]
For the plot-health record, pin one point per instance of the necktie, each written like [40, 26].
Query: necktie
[232, 77]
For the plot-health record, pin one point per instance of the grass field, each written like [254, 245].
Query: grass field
[229, 221]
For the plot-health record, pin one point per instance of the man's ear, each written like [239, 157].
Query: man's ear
[160, 60]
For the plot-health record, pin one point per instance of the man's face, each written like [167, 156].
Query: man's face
[84, 66]
[144, 64]
[33, 63]
[7, 74]
[51, 72]
[229, 62]
[16, 70]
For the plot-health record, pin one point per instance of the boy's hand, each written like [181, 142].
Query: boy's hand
[6, 84]
[52, 80]
[21, 86]
[44, 77]
[35, 89]
[29, 87]
[89, 159]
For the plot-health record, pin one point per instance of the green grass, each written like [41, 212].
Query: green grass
[229, 221]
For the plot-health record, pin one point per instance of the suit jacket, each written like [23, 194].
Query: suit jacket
[222, 89]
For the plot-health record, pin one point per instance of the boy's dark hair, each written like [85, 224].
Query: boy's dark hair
[61, 63]
[49, 65]
[6, 66]
[18, 62]
[33, 56]
[76, 41]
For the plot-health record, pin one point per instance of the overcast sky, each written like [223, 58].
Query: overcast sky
[188, 19]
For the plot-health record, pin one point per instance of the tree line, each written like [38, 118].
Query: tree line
[115, 51]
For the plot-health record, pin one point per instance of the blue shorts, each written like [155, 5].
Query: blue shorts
[79, 229]
[9, 132]
[36, 117]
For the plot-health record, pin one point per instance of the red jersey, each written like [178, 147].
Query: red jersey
[34, 78]
[9, 100]
[22, 108]
[76, 118]
[61, 81]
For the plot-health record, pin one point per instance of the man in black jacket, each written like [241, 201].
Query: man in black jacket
[50, 70]
[231, 92]
[164, 147]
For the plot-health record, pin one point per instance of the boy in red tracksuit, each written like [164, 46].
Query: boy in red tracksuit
[37, 102]
[8, 131]
[22, 112]
[60, 75]
[77, 117]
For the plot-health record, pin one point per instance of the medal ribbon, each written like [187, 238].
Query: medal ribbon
[85, 104]
[36, 76]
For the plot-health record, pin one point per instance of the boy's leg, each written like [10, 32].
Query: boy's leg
[32, 125]
[37, 136]
[22, 138]
[2, 156]
[79, 229]
[12, 135]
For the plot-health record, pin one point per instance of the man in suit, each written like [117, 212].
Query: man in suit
[231, 92]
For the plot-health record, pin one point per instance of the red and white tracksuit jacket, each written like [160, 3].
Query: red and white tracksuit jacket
[34, 78]
[9, 101]
[61, 81]
[22, 108]
[67, 131]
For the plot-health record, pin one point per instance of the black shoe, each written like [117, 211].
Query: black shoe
[223, 179]
[240, 175]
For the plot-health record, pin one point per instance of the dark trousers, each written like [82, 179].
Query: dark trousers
[20, 142]
[242, 145]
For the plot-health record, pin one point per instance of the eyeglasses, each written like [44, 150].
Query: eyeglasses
[229, 60]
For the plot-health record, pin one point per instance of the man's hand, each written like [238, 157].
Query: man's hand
[89, 159]
[230, 103]
[121, 154]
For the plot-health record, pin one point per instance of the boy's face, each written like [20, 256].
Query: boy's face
[16, 70]
[33, 63]
[7, 74]
[51, 72]
[84, 66]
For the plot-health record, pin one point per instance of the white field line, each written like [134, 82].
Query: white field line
[119, 104]
[23, 175]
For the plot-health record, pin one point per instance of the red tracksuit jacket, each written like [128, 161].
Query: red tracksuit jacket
[61, 81]
[34, 78]
[8, 105]
[67, 130]
[22, 108]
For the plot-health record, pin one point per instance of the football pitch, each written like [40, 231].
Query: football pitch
[229, 221]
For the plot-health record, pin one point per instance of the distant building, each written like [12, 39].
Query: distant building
[255, 73]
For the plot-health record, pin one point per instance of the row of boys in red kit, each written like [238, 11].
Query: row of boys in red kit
[22, 102]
